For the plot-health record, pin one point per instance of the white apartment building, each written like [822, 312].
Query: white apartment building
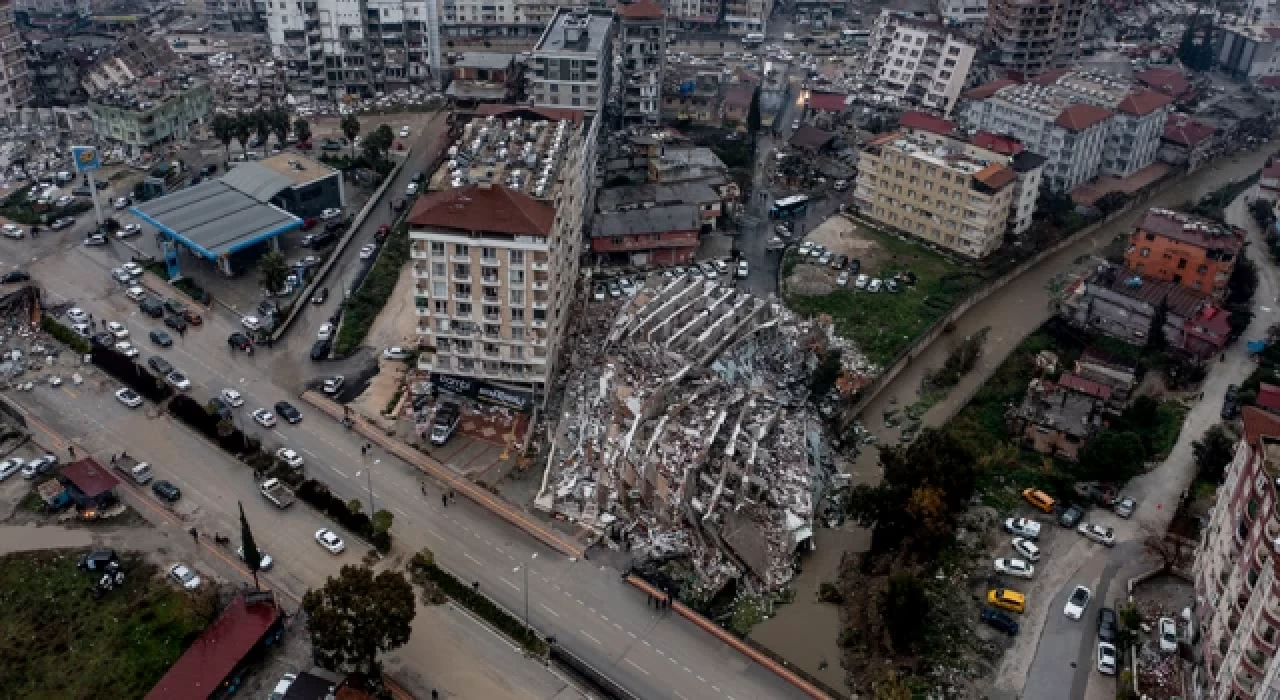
[1249, 51]
[963, 14]
[333, 48]
[498, 18]
[1237, 605]
[572, 61]
[743, 17]
[1085, 123]
[496, 258]
[640, 51]
[15, 79]
[917, 62]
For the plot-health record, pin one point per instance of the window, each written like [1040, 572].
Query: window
[464, 308]
[1145, 252]
[517, 297]
[461, 270]
[438, 269]
[439, 288]
[517, 333]
[517, 276]
[1182, 263]
[517, 257]
[461, 249]
[462, 289]
[442, 306]
[437, 248]
[489, 254]
[517, 315]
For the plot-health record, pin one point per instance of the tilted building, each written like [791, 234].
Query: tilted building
[918, 62]
[1033, 36]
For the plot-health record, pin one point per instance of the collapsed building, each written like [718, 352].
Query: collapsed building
[689, 434]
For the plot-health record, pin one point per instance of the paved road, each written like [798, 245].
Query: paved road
[584, 605]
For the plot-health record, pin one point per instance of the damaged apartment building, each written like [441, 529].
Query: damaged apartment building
[689, 433]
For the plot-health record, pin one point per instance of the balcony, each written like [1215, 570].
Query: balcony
[541, 266]
[464, 258]
[421, 271]
[540, 324]
[540, 286]
[1245, 681]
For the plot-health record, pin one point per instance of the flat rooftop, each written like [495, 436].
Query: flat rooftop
[297, 168]
[520, 153]
[575, 31]
[215, 219]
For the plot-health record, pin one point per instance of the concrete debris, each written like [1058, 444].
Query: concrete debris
[686, 431]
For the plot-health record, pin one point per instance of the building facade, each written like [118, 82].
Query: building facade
[15, 79]
[1184, 249]
[917, 62]
[742, 17]
[155, 113]
[939, 189]
[1249, 51]
[227, 16]
[963, 14]
[640, 63]
[571, 63]
[1237, 606]
[1032, 36]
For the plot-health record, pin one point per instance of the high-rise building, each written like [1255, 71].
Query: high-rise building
[236, 15]
[1237, 605]
[498, 18]
[1032, 36]
[640, 61]
[963, 14]
[331, 48]
[747, 16]
[917, 62]
[15, 80]
[572, 61]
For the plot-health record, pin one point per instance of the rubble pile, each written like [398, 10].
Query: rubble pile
[685, 431]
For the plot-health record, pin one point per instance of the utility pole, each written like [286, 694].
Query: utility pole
[527, 630]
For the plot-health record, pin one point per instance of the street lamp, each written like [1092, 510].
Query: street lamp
[369, 479]
[533, 556]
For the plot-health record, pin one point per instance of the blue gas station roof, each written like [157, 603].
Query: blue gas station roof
[215, 219]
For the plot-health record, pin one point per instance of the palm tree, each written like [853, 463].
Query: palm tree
[223, 127]
[244, 130]
[274, 271]
[351, 129]
[302, 129]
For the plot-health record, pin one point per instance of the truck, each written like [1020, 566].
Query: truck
[446, 421]
[277, 492]
[140, 472]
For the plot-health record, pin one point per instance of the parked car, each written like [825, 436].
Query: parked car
[64, 222]
[1015, 567]
[330, 541]
[232, 397]
[289, 457]
[1000, 620]
[1106, 658]
[396, 353]
[1071, 516]
[161, 338]
[1168, 631]
[1007, 599]
[1098, 533]
[184, 576]
[321, 296]
[239, 341]
[39, 466]
[160, 365]
[874, 286]
[126, 348]
[1026, 548]
[320, 350]
[330, 214]
[1023, 527]
[178, 380]
[12, 231]
[1077, 602]
[13, 276]
[265, 563]
[1107, 624]
[9, 467]
[333, 385]
[264, 418]
[325, 332]
[1039, 499]
[176, 323]
[1124, 506]
[288, 412]
[129, 397]
[166, 490]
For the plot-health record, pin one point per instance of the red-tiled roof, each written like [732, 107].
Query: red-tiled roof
[986, 90]
[501, 110]
[641, 9]
[1142, 102]
[1166, 80]
[926, 122]
[1259, 424]
[1190, 229]
[811, 138]
[199, 672]
[1183, 130]
[478, 208]
[1006, 145]
[1088, 387]
[1269, 397]
[91, 478]
[1268, 81]
[1079, 116]
[1050, 77]
[827, 101]
[738, 95]
[1272, 171]
[995, 176]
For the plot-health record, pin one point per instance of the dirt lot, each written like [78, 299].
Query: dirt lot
[327, 127]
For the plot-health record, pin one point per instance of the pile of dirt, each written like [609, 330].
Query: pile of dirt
[811, 279]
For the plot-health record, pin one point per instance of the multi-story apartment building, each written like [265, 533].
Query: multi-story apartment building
[963, 14]
[1184, 249]
[496, 257]
[640, 63]
[572, 61]
[155, 111]
[333, 48]
[1032, 36]
[939, 189]
[1249, 51]
[743, 17]
[15, 80]
[918, 62]
[1237, 606]
[237, 15]
[498, 18]
[1030, 169]
[693, 15]
[1086, 123]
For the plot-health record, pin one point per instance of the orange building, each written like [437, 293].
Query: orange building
[1188, 250]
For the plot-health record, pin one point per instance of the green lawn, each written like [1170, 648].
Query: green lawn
[883, 325]
[56, 640]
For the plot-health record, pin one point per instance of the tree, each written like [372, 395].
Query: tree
[249, 548]
[928, 508]
[1213, 452]
[279, 118]
[262, 126]
[350, 126]
[892, 687]
[1157, 342]
[223, 127]
[378, 144]
[382, 520]
[357, 615]
[1243, 283]
[904, 606]
[753, 113]
[1114, 455]
[274, 270]
[302, 129]
[824, 377]
[244, 129]
[354, 505]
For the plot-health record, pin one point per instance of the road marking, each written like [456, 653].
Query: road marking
[602, 617]
[646, 642]
[579, 602]
[716, 689]
[279, 434]
[401, 512]
[661, 652]
[508, 583]
[584, 633]
[435, 534]
[477, 561]
[702, 679]
[544, 607]
[618, 626]
[631, 634]
[638, 668]
[593, 610]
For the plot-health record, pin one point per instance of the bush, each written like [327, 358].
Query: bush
[317, 495]
[130, 373]
[360, 311]
[64, 335]
[423, 565]
[196, 415]
[20, 210]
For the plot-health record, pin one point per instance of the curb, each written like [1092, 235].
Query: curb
[729, 639]
[488, 501]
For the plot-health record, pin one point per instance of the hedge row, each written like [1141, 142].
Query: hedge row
[64, 335]
[360, 311]
[206, 421]
[321, 498]
[424, 564]
[130, 373]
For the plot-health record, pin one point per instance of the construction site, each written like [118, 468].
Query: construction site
[688, 434]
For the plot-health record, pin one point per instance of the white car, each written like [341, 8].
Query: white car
[874, 286]
[128, 231]
[1026, 548]
[264, 418]
[367, 251]
[325, 332]
[333, 384]
[861, 281]
[232, 397]
[251, 322]
[411, 189]
[178, 380]
[330, 541]
[136, 293]
[1106, 658]
[132, 268]
[282, 685]
[11, 231]
[9, 467]
[289, 457]
[38, 466]
[404, 131]
[264, 560]
[95, 239]
[1023, 527]
[329, 214]
[117, 330]
[396, 353]
[129, 397]
[1015, 567]
[742, 269]
[1097, 533]
[121, 275]
[843, 279]
[184, 576]
[120, 203]
[64, 201]
[1078, 601]
[126, 348]
[77, 315]
[1168, 631]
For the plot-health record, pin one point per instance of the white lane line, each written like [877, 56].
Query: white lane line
[702, 679]
[593, 610]
[661, 652]
[618, 626]
[584, 633]
[335, 471]
[280, 434]
[631, 634]
[602, 617]
[401, 512]
[646, 642]
[477, 561]
[580, 602]
[677, 694]
[638, 667]
[435, 534]
[508, 583]
[716, 689]
[308, 452]
[544, 607]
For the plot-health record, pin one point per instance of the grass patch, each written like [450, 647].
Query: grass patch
[362, 309]
[58, 640]
[20, 210]
[64, 335]
[423, 567]
[883, 325]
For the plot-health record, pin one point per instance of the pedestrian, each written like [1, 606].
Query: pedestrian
[424, 489]
[71, 450]
[195, 534]
[113, 460]
[435, 694]
[649, 601]
[444, 500]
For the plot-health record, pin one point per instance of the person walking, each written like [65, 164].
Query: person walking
[444, 500]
